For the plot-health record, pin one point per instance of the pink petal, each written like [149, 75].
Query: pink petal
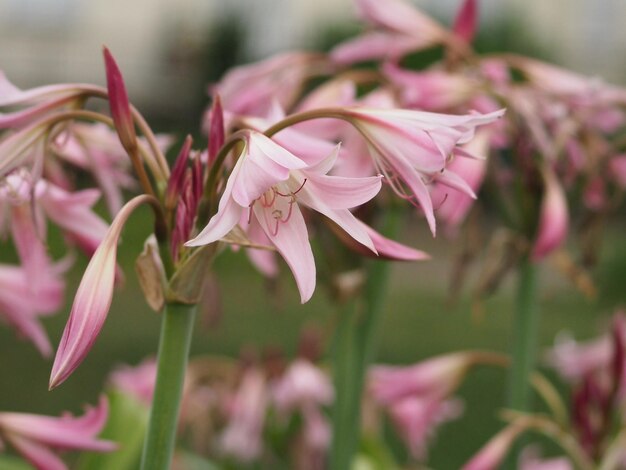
[392, 250]
[40, 456]
[263, 164]
[92, 301]
[292, 242]
[553, 220]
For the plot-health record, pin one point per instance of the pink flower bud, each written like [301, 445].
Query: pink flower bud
[118, 101]
[466, 20]
[553, 219]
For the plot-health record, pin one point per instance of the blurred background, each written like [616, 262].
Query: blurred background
[169, 52]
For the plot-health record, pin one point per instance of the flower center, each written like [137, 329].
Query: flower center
[277, 203]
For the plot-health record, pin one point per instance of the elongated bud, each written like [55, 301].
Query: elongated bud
[93, 300]
[177, 178]
[466, 20]
[216, 128]
[120, 106]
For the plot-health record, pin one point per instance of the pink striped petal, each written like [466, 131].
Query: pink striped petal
[93, 300]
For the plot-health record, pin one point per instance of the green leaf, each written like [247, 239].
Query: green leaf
[128, 419]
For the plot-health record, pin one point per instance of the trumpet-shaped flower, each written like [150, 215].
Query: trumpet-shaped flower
[267, 186]
[92, 301]
[34, 436]
[411, 148]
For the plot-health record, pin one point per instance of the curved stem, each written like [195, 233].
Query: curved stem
[176, 331]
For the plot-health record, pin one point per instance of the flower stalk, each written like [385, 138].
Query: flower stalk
[174, 344]
[355, 342]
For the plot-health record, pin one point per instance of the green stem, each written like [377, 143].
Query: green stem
[355, 341]
[176, 330]
[524, 339]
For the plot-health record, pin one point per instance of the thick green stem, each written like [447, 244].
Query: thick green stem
[523, 341]
[176, 330]
[524, 337]
[355, 341]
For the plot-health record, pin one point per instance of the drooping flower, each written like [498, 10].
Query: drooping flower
[35, 437]
[266, 186]
[435, 377]
[92, 301]
[411, 148]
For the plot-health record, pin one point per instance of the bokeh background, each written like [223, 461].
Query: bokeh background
[169, 52]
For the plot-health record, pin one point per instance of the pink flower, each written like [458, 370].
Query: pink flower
[454, 205]
[416, 418]
[33, 436]
[253, 89]
[21, 302]
[433, 89]
[400, 29]
[96, 148]
[412, 147]
[266, 187]
[302, 385]
[39, 101]
[137, 381]
[553, 220]
[575, 360]
[435, 377]
[92, 301]
[242, 437]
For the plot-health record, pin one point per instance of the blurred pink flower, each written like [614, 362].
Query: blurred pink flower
[252, 89]
[399, 29]
[303, 384]
[466, 21]
[34, 436]
[22, 302]
[39, 101]
[433, 89]
[436, 377]
[416, 418]
[136, 381]
[268, 182]
[242, 437]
